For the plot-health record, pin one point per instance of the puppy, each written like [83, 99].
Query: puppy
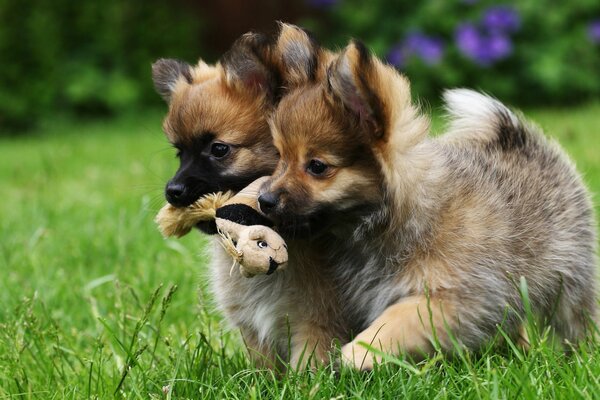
[217, 121]
[426, 238]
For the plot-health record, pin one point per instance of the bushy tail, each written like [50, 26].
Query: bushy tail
[474, 116]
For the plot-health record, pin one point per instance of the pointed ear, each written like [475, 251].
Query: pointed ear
[245, 65]
[355, 79]
[299, 54]
[166, 73]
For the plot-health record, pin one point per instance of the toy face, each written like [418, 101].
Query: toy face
[257, 248]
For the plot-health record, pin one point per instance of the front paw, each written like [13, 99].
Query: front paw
[356, 356]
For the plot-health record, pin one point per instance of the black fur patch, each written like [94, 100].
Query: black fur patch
[201, 175]
[375, 104]
[364, 55]
[243, 215]
[207, 227]
[315, 47]
[510, 136]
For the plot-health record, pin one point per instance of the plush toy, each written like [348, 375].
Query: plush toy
[245, 233]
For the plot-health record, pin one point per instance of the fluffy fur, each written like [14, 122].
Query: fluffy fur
[403, 237]
[222, 105]
[425, 236]
[231, 103]
[266, 308]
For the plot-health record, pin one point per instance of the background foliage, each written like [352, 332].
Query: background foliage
[527, 52]
[86, 58]
[93, 58]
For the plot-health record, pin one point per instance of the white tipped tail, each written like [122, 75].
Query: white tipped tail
[476, 116]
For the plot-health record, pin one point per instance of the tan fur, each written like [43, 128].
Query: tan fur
[178, 222]
[456, 221]
[235, 116]
[302, 310]
[259, 352]
[413, 325]
[215, 102]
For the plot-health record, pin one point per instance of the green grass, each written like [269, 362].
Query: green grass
[93, 302]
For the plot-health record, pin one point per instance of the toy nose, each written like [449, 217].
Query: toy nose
[268, 201]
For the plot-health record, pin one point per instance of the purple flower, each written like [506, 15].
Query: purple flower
[593, 31]
[499, 46]
[428, 48]
[483, 48]
[503, 19]
[396, 56]
[322, 3]
[416, 44]
[468, 39]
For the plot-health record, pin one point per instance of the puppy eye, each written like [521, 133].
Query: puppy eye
[316, 167]
[262, 244]
[219, 150]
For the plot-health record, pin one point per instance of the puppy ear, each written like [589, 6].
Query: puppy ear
[245, 65]
[354, 78]
[166, 73]
[299, 54]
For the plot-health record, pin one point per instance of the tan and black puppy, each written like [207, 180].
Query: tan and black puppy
[217, 120]
[429, 235]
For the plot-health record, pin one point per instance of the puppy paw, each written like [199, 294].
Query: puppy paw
[355, 356]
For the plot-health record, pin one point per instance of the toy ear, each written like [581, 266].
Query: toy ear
[166, 73]
[354, 79]
[257, 233]
[245, 65]
[299, 53]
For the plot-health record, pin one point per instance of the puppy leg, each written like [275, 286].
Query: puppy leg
[405, 327]
[310, 345]
[260, 353]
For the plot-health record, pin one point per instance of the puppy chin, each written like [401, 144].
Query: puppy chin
[321, 221]
[303, 226]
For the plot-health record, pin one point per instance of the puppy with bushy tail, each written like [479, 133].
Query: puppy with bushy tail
[429, 238]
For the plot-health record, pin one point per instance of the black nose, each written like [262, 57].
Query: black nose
[268, 201]
[176, 194]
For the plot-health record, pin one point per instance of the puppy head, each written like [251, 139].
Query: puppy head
[336, 137]
[217, 120]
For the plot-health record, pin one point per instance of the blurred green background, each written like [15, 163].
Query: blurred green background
[92, 59]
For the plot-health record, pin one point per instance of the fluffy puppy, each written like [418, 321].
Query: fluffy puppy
[217, 120]
[427, 236]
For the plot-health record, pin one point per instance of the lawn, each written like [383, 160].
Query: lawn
[94, 303]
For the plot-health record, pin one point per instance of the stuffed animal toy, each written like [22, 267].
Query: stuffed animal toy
[244, 232]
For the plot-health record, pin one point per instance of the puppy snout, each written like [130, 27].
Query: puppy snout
[268, 201]
[178, 194]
